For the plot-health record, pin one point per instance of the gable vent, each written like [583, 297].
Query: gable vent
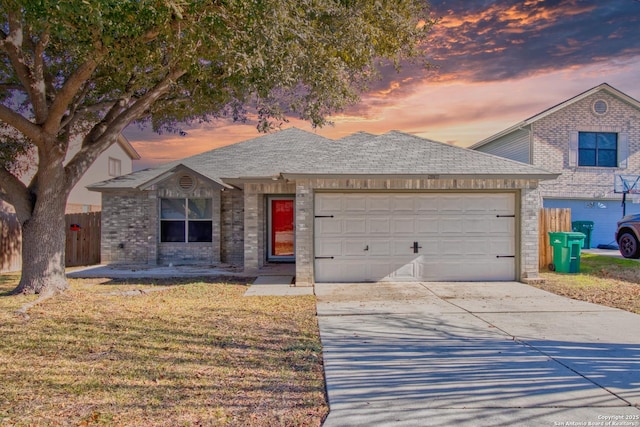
[600, 107]
[186, 183]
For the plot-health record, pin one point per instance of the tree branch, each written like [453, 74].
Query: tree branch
[23, 125]
[66, 94]
[105, 133]
[16, 193]
[12, 45]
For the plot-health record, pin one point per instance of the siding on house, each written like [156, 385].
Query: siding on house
[515, 146]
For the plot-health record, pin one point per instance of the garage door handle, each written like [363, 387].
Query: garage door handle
[505, 256]
[416, 247]
[505, 216]
[324, 257]
[324, 216]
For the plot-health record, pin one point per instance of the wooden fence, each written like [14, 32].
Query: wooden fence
[550, 219]
[82, 246]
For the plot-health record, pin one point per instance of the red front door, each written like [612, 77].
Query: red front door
[282, 228]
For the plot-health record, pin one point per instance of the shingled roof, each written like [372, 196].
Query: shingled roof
[294, 152]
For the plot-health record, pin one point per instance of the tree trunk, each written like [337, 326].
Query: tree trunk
[43, 245]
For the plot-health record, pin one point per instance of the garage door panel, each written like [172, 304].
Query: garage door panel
[378, 226]
[402, 225]
[355, 247]
[329, 227]
[461, 236]
[329, 204]
[403, 272]
[380, 248]
[403, 204]
[353, 226]
[426, 204]
[379, 204]
[427, 225]
[450, 225]
[355, 204]
[329, 248]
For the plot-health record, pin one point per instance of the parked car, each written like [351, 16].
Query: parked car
[628, 236]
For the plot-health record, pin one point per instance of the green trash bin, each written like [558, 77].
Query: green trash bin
[585, 227]
[566, 251]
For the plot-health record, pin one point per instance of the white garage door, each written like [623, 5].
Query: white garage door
[361, 237]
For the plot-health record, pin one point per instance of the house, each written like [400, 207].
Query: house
[114, 161]
[591, 140]
[393, 207]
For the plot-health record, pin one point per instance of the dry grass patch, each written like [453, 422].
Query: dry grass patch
[195, 354]
[602, 280]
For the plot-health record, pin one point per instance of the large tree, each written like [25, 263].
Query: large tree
[82, 70]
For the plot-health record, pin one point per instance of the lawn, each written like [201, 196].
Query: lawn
[613, 282]
[194, 354]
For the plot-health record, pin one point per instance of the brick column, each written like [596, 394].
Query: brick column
[530, 206]
[304, 233]
[251, 230]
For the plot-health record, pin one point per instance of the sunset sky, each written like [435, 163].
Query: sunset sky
[496, 63]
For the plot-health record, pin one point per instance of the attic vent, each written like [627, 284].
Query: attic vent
[186, 183]
[600, 107]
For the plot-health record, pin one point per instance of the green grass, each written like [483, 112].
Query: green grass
[196, 354]
[609, 281]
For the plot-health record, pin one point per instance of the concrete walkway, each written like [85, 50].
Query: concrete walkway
[475, 354]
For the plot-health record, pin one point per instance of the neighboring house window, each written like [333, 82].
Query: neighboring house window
[186, 220]
[115, 167]
[598, 149]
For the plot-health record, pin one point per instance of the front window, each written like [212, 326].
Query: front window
[598, 149]
[186, 220]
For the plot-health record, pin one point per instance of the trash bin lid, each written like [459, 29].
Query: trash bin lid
[584, 225]
[564, 237]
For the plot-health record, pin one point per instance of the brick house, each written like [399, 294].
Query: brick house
[362, 208]
[589, 140]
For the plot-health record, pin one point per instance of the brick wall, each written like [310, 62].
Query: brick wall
[232, 227]
[126, 228]
[551, 147]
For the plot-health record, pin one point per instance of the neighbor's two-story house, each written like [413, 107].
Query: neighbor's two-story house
[114, 161]
[589, 139]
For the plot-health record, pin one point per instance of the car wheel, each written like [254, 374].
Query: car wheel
[629, 246]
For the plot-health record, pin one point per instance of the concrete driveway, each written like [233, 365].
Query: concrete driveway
[475, 354]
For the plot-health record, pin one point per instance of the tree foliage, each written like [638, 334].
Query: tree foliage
[85, 69]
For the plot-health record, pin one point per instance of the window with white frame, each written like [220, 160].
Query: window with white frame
[186, 220]
[115, 167]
